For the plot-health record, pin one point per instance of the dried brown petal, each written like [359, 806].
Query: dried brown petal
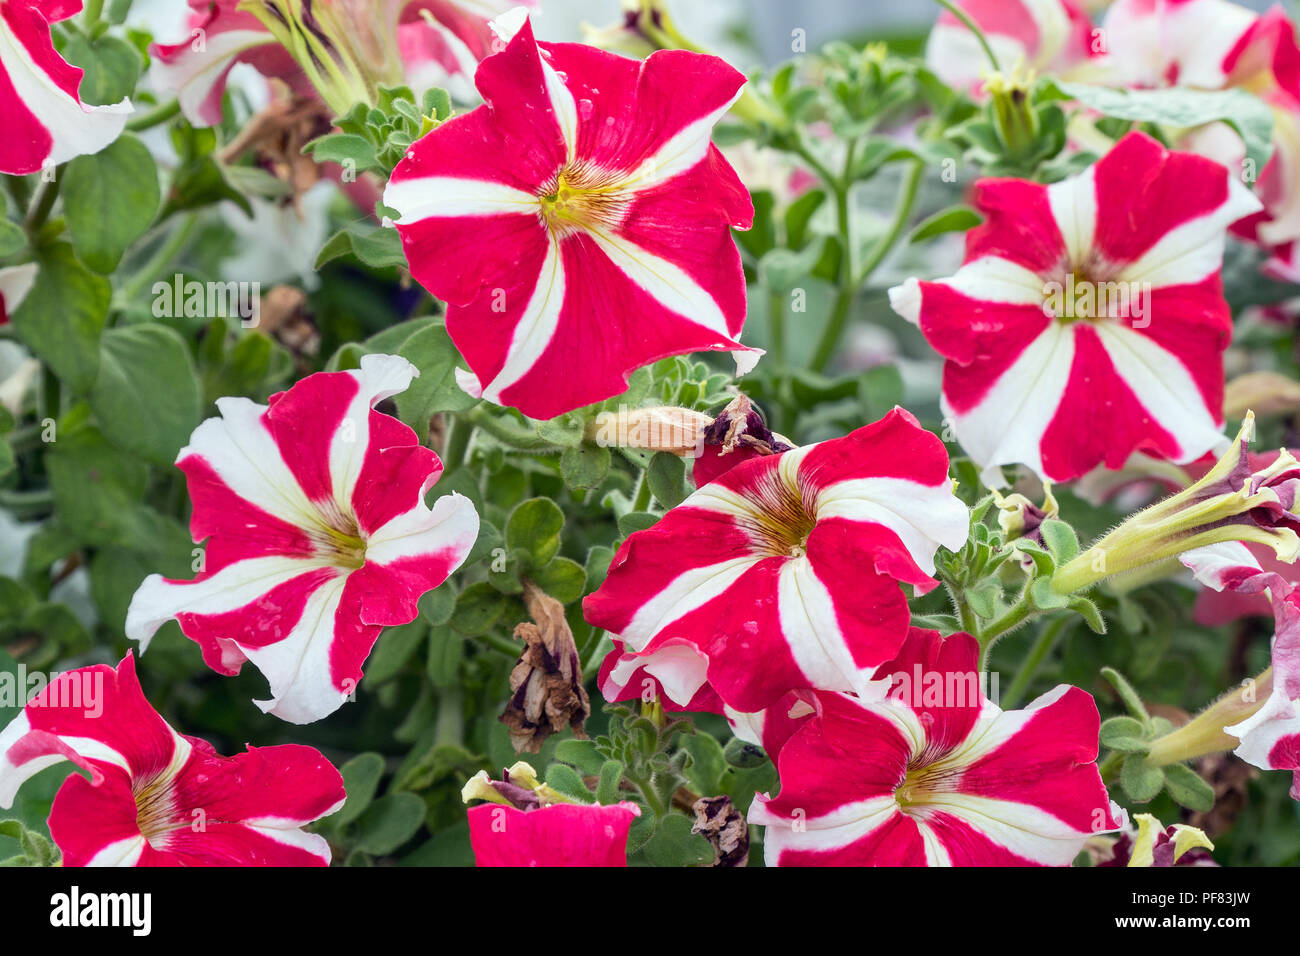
[546, 683]
[723, 825]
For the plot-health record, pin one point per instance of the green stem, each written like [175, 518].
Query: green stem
[450, 725]
[512, 649]
[1042, 646]
[906, 200]
[168, 251]
[1110, 767]
[507, 431]
[970, 25]
[965, 614]
[1019, 612]
[642, 500]
[44, 203]
[26, 504]
[93, 10]
[455, 450]
[154, 117]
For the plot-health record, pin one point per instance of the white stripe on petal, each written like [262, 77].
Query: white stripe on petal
[451, 524]
[119, 853]
[565, 109]
[1165, 388]
[812, 632]
[666, 283]
[923, 516]
[688, 591]
[12, 776]
[157, 600]
[1192, 251]
[681, 152]
[536, 326]
[298, 667]
[378, 378]
[288, 832]
[448, 197]
[1023, 829]
[1007, 426]
[1073, 202]
[832, 831]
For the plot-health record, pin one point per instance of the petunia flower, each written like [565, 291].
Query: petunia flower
[317, 534]
[344, 50]
[938, 779]
[45, 122]
[1215, 45]
[1047, 36]
[1088, 320]
[526, 823]
[588, 217]
[1156, 845]
[1270, 735]
[792, 561]
[156, 797]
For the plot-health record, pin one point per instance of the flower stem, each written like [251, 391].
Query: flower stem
[970, 25]
[1042, 646]
[154, 117]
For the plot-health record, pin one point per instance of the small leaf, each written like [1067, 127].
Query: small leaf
[535, 526]
[1127, 734]
[954, 219]
[1188, 789]
[1060, 540]
[389, 822]
[360, 779]
[1140, 780]
[674, 845]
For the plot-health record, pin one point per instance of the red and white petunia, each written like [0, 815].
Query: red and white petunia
[676, 675]
[317, 534]
[15, 283]
[792, 561]
[1047, 36]
[588, 216]
[935, 774]
[158, 798]
[45, 122]
[1213, 45]
[1088, 320]
[1270, 737]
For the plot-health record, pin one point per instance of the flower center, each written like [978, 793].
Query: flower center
[339, 541]
[581, 198]
[155, 810]
[923, 781]
[1083, 295]
[784, 516]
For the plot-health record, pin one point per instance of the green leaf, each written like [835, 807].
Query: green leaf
[635, 521]
[360, 781]
[111, 65]
[432, 352]
[109, 200]
[1060, 539]
[393, 649]
[1127, 694]
[62, 316]
[138, 365]
[1188, 789]
[562, 579]
[674, 845]
[585, 466]
[535, 526]
[568, 781]
[446, 652]
[389, 822]
[1140, 780]
[607, 790]
[708, 762]
[343, 148]
[96, 487]
[953, 219]
[478, 608]
[1181, 107]
[1090, 613]
[1127, 734]
[437, 606]
[582, 754]
[666, 476]
[375, 246]
[12, 238]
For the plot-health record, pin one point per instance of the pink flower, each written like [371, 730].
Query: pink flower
[562, 834]
[937, 778]
[317, 536]
[588, 217]
[792, 560]
[156, 797]
[1270, 737]
[1212, 45]
[45, 122]
[1047, 36]
[629, 676]
[1088, 320]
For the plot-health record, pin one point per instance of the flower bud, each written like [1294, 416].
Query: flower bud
[678, 431]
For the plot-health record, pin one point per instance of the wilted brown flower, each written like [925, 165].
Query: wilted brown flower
[718, 820]
[547, 682]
